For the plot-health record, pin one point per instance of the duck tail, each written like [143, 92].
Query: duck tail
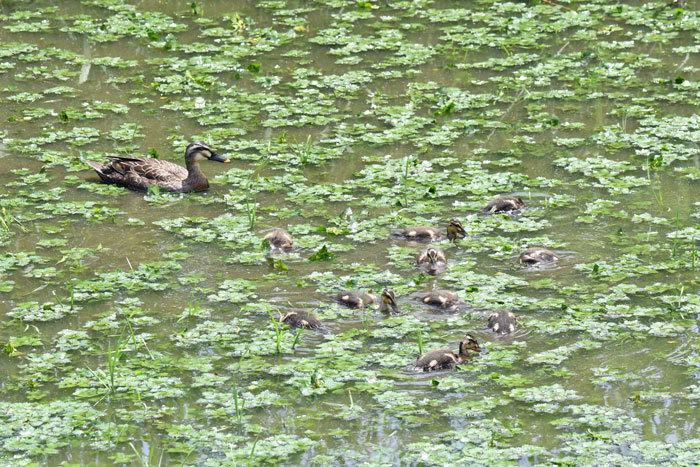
[102, 170]
[99, 168]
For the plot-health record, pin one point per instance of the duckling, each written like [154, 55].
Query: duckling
[441, 298]
[433, 260]
[138, 173]
[537, 255]
[355, 299]
[387, 301]
[446, 358]
[503, 204]
[424, 233]
[302, 319]
[279, 239]
[502, 322]
[455, 230]
[420, 233]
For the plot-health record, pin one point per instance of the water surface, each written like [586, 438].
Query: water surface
[138, 327]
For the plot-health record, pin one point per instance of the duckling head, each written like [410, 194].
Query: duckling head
[455, 230]
[388, 301]
[468, 343]
[432, 256]
[200, 151]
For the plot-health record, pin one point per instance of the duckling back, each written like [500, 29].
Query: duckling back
[302, 319]
[437, 360]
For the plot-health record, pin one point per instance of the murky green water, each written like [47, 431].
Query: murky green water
[136, 328]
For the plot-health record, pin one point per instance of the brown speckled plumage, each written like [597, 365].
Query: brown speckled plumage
[138, 173]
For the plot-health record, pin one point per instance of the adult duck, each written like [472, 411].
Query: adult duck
[138, 173]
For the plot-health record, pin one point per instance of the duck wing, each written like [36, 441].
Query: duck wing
[155, 170]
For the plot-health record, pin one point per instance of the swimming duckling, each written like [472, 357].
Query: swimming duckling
[455, 230]
[279, 239]
[441, 298]
[424, 233]
[387, 301]
[302, 319]
[502, 322]
[138, 173]
[433, 260]
[503, 204]
[420, 233]
[537, 255]
[446, 358]
[355, 299]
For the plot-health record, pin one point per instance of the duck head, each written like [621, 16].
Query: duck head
[200, 151]
[388, 301]
[468, 343]
[432, 256]
[455, 230]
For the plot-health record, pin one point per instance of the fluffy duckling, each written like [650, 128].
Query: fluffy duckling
[355, 299]
[433, 260]
[502, 322]
[420, 233]
[279, 239]
[536, 255]
[387, 301]
[424, 233]
[455, 230]
[503, 204]
[302, 319]
[446, 358]
[138, 173]
[441, 298]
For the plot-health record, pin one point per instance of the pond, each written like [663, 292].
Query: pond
[144, 327]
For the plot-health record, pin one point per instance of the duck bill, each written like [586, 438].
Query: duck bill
[218, 158]
[394, 307]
